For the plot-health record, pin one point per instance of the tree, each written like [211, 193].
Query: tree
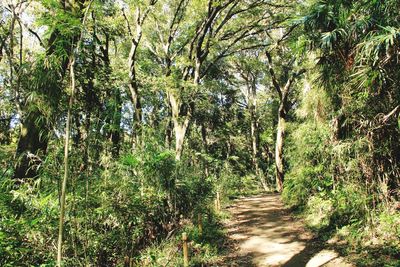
[72, 61]
[357, 71]
[283, 87]
[46, 83]
[250, 70]
[135, 34]
[187, 49]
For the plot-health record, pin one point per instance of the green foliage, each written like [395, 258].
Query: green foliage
[231, 184]
[309, 164]
[127, 192]
[24, 238]
[130, 202]
[319, 211]
[350, 202]
[341, 150]
[388, 227]
[205, 249]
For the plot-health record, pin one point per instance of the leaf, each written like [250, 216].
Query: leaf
[34, 222]
[398, 122]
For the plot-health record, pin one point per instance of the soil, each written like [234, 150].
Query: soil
[263, 233]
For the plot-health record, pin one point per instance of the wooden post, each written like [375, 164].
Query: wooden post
[218, 202]
[185, 250]
[200, 222]
[126, 261]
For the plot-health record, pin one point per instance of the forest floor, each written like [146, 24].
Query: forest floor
[263, 233]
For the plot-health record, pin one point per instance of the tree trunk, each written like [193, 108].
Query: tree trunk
[254, 134]
[254, 141]
[180, 123]
[116, 122]
[205, 149]
[31, 144]
[134, 90]
[34, 129]
[180, 132]
[115, 105]
[33, 136]
[134, 86]
[279, 161]
[284, 107]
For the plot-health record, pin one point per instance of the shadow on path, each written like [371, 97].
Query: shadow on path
[265, 234]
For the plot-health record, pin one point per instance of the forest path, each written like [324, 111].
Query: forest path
[265, 234]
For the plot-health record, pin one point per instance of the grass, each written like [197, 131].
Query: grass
[205, 248]
[6, 152]
[366, 242]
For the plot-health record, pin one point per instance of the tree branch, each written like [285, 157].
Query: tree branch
[272, 73]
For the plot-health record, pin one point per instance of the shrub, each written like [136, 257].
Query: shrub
[113, 210]
[318, 212]
[309, 165]
[350, 204]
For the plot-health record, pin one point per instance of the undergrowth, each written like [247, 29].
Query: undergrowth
[336, 202]
[205, 248]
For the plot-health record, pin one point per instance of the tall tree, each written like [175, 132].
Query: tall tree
[135, 31]
[46, 83]
[189, 49]
[250, 70]
[283, 86]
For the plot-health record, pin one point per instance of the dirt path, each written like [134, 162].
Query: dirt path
[265, 234]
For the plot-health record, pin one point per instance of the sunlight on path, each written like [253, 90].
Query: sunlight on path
[267, 236]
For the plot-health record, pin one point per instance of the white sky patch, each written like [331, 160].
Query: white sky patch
[307, 87]
[166, 8]
[121, 4]
[28, 19]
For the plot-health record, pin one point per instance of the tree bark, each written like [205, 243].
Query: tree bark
[279, 145]
[180, 122]
[205, 149]
[116, 122]
[284, 107]
[254, 132]
[134, 91]
[32, 143]
[180, 132]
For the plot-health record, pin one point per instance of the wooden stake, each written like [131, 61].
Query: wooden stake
[185, 250]
[126, 261]
[200, 222]
[218, 202]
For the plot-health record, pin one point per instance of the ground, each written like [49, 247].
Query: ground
[265, 234]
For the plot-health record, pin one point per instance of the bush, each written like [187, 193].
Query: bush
[309, 165]
[318, 212]
[350, 204]
[113, 211]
